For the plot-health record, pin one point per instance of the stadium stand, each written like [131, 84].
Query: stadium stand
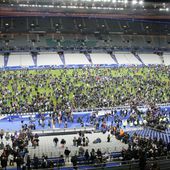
[1, 60]
[20, 59]
[126, 58]
[76, 59]
[84, 84]
[166, 57]
[150, 58]
[48, 58]
[101, 58]
[25, 59]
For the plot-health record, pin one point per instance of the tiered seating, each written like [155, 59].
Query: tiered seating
[20, 59]
[75, 58]
[52, 58]
[69, 43]
[50, 42]
[91, 43]
[166, 57]
[1, 60]
[152, 134]
[48, 59]
[150, 58]
[101, 58]
[126, 58]
[20, 41]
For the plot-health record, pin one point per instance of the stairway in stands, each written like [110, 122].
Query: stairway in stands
[88, 58]
[138, 57]
[62, 58]
[114, 58]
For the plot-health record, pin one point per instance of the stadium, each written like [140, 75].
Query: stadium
[85, 84]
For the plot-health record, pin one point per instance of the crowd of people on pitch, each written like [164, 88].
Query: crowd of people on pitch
[152, 116]
[50, 90]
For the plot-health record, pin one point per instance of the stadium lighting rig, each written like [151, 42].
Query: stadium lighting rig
[110, 5]
[52, 2]
[80, 4]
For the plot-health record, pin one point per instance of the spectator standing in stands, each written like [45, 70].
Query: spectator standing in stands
[84, 141]
[86, 155]
[142, 160]
[74, 161]
[81, 151]
[67, 153]
[63, 142]
[49, 123]
[19, 162]
[7, 136]
[44, 162]
[65, 124]
[28, 163]
[99, 155]
[1, 134]
[92, 155]
[79, 141]
[1, 146]
[87, 141]
[35, 162]
[11, 159]
[74, 141]
[108, 138]
[4, 161]
[55, 140]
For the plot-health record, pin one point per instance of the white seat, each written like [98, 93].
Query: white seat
[20, 59]
[75, 58]
[48, 59]
[166, 57]
[150, 58]
[126, 58]
[102, 58]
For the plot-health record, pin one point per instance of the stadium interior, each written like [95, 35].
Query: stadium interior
[85, 84]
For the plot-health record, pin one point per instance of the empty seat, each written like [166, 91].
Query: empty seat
[1, 60]
[75, 59]
[150, 59]
[127, 58]
[166, 57]
[102, 58]
[48, 59]
[20, 59]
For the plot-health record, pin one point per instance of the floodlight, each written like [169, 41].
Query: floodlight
[134, 2]
[141, 2]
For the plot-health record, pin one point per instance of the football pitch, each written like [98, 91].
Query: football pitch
[50, 90]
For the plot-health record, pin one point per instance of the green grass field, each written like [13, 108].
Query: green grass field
[48, 89]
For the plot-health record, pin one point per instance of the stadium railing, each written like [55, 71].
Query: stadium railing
[163, 163]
